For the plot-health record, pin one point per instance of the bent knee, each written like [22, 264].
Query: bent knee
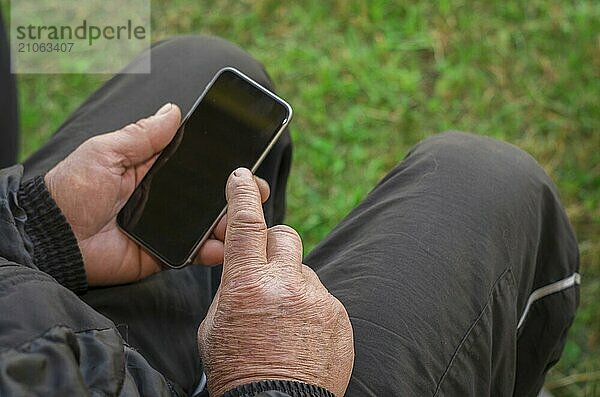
[480, 155]
[191, 43]
[455, 145]
[201, 53]
[480, 167]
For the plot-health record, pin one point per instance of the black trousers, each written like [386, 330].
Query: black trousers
[458, 270]
[9, 126]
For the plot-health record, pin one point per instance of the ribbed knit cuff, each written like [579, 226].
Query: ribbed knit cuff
[294, 389]
[55, 249]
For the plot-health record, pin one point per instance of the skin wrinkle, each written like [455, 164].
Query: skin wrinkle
[271, 317]
[93, 182]
[264, 358]
[329, 340]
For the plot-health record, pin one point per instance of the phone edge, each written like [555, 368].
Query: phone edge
[258, 162]
[202, 240]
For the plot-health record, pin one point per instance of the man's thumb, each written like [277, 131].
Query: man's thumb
[139, 142]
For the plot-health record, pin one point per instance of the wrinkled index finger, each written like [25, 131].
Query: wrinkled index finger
[246, 236]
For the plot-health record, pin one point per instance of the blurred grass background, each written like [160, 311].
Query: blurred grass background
[369, 79]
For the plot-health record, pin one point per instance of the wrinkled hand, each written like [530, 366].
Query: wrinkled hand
[271, 317]
[93, 183]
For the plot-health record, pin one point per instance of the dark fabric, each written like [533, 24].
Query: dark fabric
[278, 388]
[56, 251]
[51, 342]
[181, 69]
[171, 304]
[15, 245]
[62, 363]
[9, 119]
[435, 266]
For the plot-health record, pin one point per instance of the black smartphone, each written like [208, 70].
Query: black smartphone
[234, 123]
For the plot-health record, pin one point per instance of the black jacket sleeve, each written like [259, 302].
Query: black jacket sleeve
[278, 388]
[34, 232]
[55, 249]
[51, 342]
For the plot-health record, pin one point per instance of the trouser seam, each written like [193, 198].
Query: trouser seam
[507, 273]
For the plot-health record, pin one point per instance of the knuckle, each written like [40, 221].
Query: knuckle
[238, 251]
[243, 264]
[202, 336]
[311, 276]
[134, 128]
[94, 143]
[243, 195]
[99, 146]
[339, 308]
[244, 190]
[337, 312]
[306, 270]
[140, 125]
[246, 218]
[241, 186]
[286, 238]
[93, 140]
[138, 130]
[275, 292]
[341, 315]
[285, 230]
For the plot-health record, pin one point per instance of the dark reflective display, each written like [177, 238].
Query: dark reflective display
[184, 192]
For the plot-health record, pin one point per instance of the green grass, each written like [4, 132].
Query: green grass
[369, 79]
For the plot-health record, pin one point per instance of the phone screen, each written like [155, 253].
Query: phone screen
[182, 195]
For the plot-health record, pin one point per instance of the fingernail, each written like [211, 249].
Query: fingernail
[242, 172]
[166, 108]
